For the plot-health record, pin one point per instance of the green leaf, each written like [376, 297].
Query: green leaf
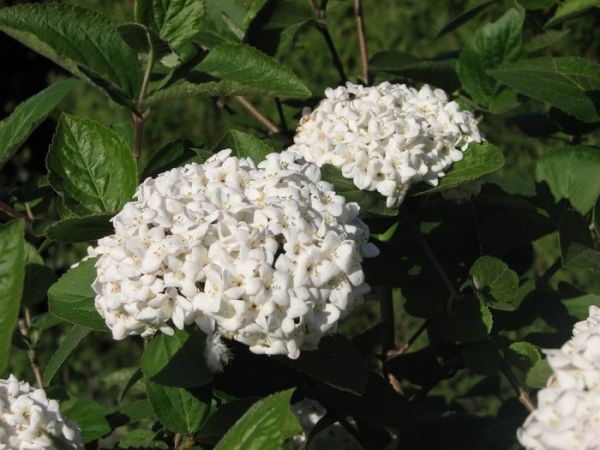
[441, 73]
[420, 367]
[249, 67]
[596, 218]
[538, 375]
[69, 343]
[479, 160]
[264, 426]
[424, 297]
[176, 21]
[72, 299]
[12, 274]
[90, 166]
[571, 173]
[179, 410]
[224, 22]
[494, 44]
[538, 4]
[576, 246]
[221, 420]
[81, 229]
[547, 39]
[75, 38]
[245, 145]
[174, 154]
[38, 278]
[89, 415]
[387, 234]
[255, 8]
[26, 117]
[336, 362]
[481, 357]
[141, 439]
[565, 83]
[579, 305]
[178, 360]
[370, 201]
[464, 17]
[469, 321]
[523, 355]
[494, 282]
[242, 70]
[185, 89]
[569, 9]
[144, 40]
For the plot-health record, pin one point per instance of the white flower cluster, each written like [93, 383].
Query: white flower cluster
[28, 420]
[568, 412]
[386, 137]
[267, 255]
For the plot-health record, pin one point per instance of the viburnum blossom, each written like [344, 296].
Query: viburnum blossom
[386, 137]
[568, 412]
[265, 254]
[29, 420]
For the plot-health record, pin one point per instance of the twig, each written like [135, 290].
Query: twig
[549, 273]
[523, 396]
[362, 41]
[414, 337]
[24, 326]
[12, 212]
[265, 121]
[185, 445]
[138, 116]
[282, 120]
[430, 255]
[386, 308]
[138, 129]
[321, 24]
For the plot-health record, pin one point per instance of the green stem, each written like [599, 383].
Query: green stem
[386, 308]
[321, 24]
[139, 116]
[522, 394]
[431, 256]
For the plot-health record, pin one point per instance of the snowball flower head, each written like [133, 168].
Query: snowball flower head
[565, 419]
[386, 137]
[29, 420]
[265, 254]
[568, 413]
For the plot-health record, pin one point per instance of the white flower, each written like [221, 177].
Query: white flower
[386, 137]
[565, 419]
[29, 420]
[568, 412]
[267, 255]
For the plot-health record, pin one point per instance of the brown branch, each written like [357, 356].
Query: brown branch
[362, 41]
[12, 212]
[386, 309]
[265, 121]
[138, 128]
[522, 394]
[413, 338]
